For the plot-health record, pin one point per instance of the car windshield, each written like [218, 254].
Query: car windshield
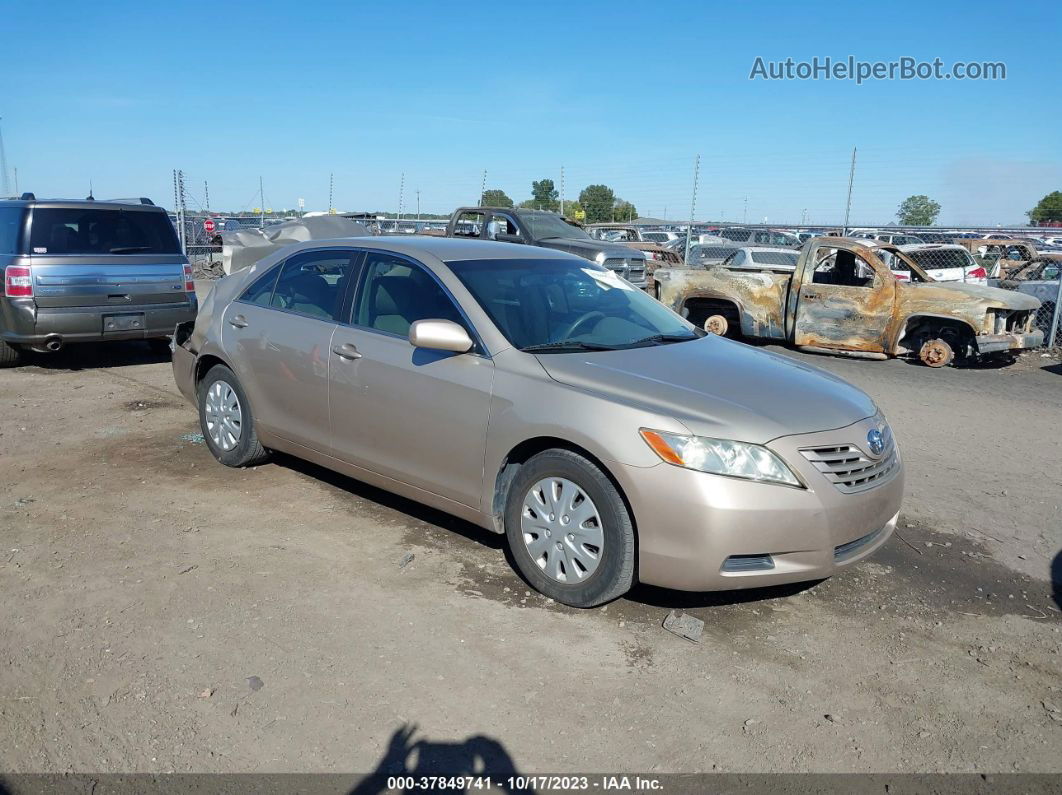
[938, 258]
[568, 305]
[546, 225]
[104, 230]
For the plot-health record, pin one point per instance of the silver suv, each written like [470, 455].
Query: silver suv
[88, 271]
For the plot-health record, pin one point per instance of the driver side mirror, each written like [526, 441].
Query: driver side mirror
[439, 335]
[506, 237]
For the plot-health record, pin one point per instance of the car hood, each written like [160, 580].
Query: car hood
[1007, 299]
[717, 387]
[589, 249]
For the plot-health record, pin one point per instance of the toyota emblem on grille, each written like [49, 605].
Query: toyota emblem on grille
[876, 441]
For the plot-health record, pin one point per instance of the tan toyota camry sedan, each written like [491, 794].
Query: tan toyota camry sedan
[541, 396]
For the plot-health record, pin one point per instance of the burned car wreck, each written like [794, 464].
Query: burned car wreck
[842, 298]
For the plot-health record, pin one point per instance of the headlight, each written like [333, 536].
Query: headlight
[720, 457]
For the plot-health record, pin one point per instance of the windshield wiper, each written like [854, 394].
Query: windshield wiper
[664, 339]
[129, 249]
[572, 345]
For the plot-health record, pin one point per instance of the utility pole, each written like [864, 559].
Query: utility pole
[418, 206]
[261, 207]
[483, 188]
[206, 195]
[401, 190]
[179, 208]
[848, 205]
[5, 186]
[745, 212]
[562, 190]
[16, 182]
[693, 206]
[331, 192]
[804, 216]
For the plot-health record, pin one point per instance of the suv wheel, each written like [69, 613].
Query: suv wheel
[569, 530]
[227, 421]
[10, 355]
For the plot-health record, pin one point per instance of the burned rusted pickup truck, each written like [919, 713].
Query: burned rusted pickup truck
[841, 297]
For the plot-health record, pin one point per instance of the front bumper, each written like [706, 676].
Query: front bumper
[27, 324]
[693, 527]
[1018, 341]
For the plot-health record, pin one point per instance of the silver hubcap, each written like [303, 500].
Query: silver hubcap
[562, 530]
[224, 419]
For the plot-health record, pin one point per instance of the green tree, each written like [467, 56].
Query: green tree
[544, 194]
[496, 198]
[624, 211]
[1048, 209]
[598, 201]
[918, 210]
[574, 211]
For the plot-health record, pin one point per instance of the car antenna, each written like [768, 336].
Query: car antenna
[90, 197]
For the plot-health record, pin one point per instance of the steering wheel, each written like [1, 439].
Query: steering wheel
[570, 330]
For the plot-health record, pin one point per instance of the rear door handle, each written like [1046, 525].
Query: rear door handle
[346, 351]
[239, 321]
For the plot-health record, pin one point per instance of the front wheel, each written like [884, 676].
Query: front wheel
[569, 530]
[226, 419]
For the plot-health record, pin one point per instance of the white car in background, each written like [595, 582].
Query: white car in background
[944, 262]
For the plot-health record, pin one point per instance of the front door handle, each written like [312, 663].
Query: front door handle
[806, 294]
[239, 321]
[346, 351]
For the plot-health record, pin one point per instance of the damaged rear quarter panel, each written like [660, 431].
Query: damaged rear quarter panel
[759, 296]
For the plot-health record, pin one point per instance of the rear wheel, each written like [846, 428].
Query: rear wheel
[716, 324]
[569, 530]
[227, 421]
[10, 355]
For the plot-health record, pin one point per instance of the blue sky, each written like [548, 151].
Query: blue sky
[624, 94]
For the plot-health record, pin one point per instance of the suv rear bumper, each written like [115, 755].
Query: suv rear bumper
[24, 323]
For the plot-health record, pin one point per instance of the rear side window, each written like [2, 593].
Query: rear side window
[313, 284]
[108, 230]
[10, 227]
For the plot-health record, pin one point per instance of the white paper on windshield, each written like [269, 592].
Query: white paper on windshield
[608, 279]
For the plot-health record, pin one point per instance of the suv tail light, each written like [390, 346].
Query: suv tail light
[977, 273]
[189, 284]
[18, 281]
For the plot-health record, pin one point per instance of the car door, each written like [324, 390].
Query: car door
[414, 415]
[844, 302]
[278, 335]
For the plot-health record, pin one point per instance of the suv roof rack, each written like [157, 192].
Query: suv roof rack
[140, 200]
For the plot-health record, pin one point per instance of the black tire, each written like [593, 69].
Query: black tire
[248, 450]
[10, 355]
[614, 574]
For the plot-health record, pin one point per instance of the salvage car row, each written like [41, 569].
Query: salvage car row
[515, 373]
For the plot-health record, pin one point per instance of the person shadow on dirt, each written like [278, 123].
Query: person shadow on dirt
[1056, 579]
[476, 756]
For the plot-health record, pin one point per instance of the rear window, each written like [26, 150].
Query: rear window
[105, 230]
[777, 258]
[10, 226]
[936, 258]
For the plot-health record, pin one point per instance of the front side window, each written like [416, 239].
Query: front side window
[10, 229]
[500, 224]
[842, 268]
[110, 230]
[313, 284]
[560, 304]
[397, 293]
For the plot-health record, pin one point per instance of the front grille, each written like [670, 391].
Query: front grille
[850, 469]
[631, 270]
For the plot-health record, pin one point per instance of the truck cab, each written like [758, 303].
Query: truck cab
[548, 230]
[841, 297]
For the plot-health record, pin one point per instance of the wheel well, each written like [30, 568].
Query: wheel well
[203, 365]
[699, 309]
[918, 328]
[529, 448]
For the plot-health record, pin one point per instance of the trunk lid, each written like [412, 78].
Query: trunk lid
[107, 280]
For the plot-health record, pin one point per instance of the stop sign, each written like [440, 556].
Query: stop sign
[209, 226]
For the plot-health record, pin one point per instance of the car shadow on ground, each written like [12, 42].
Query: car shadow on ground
[1053, 368]
[476, 756]
[94, 356]
[667, 599]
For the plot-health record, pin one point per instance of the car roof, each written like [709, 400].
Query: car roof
[761, 249]
[447, 249]
[137, 204]
[930, 246]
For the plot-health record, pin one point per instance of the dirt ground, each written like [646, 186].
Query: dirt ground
[159, 612]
